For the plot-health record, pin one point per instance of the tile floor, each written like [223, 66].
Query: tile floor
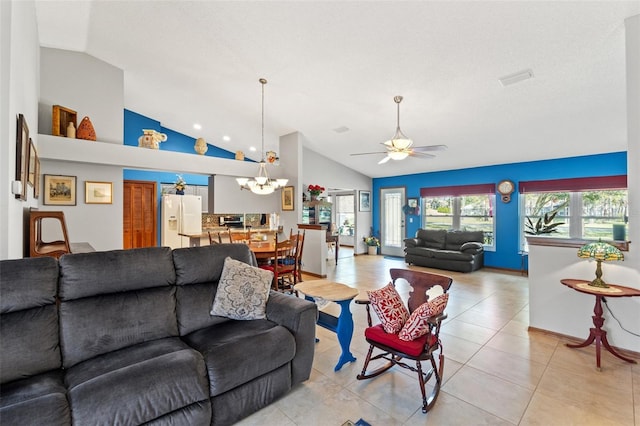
[496, 372]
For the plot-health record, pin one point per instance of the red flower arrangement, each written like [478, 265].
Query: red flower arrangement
[315, 190]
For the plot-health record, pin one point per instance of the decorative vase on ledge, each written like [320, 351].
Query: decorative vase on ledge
[373, 250]
[179, 192]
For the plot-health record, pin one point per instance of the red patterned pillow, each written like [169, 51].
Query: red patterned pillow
[389, 308]
[417, 326]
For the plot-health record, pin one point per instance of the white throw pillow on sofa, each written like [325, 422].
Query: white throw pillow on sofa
[243, 291]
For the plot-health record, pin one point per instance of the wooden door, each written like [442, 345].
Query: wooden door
[140, 214]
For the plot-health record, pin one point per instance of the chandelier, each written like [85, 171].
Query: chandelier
[262, 184]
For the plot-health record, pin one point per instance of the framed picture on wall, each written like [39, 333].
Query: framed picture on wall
[22, 155]
[413, 207]
[98, 192]
[365, 201]
[32, 164]
[287, 198]
[59, 190]
[36, 185]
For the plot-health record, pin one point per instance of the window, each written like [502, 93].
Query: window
[345, 216]
[468, 207]
[588, 208]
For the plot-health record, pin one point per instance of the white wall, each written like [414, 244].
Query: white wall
[96, 89]
[558, 308]
[229, 198]
[320, 170]
[19, 80]
[85, 84]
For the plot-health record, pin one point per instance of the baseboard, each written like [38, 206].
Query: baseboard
[626, 352]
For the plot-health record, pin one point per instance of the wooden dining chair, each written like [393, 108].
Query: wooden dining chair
[281, 265]
[238, 236]
[213, 239]
[298, 240]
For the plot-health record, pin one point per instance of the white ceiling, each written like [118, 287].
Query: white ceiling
[334, 64]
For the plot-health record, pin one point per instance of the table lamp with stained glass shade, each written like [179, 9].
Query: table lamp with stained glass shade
[600, 251]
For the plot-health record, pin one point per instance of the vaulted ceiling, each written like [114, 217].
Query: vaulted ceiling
[337, 65]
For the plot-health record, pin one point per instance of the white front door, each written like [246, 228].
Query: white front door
[392, 233]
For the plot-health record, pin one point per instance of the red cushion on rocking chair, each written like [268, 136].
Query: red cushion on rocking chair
[412, 347]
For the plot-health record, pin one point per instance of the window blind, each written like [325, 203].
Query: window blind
[574, 184]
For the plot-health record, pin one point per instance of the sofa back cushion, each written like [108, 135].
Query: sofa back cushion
[432, 238]
[115, 299]
[28, 318]
[455, 239]
[198, 271]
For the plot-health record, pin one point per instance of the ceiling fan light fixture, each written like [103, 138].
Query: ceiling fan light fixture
[261, 184]
[398, 155]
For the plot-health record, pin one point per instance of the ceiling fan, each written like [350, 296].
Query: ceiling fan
[400, 147]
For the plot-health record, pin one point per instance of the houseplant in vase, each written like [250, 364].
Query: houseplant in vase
[315, 191]
[180, 185]
[372, 244]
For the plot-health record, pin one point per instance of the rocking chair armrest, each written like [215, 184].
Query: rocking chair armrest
[437, 319]
[366, 303]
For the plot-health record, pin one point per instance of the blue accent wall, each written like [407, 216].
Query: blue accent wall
[178, 142]
[506, 214]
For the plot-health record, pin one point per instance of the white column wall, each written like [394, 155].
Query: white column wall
[19, 80]
[560, 309]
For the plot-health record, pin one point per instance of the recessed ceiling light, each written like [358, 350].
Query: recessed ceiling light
[516, 77]
[197, 126]
[226, 138]
[252, 149]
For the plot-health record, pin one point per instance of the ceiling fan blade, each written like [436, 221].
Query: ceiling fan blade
[429, 148]
[384, 160]
[422, 154]
[367, 153]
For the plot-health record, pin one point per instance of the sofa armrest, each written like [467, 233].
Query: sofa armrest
[411, 242]
[472, 247]
[299, 316]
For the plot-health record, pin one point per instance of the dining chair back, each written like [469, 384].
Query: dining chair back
[213, 239]
[298, 240]
[282, 265]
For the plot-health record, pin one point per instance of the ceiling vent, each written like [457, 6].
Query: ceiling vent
[341, 129]
[515, 78]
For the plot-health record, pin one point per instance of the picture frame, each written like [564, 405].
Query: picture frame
[413, 206]
[22, 153]
[60, 119]
[36, 186]
[31, 174]
[364, 204]
[59, 190]
[98, 192]
[287, 198]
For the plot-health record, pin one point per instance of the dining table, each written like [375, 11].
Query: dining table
[264, 249]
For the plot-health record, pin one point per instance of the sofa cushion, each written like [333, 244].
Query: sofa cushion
[389, 308]
[432, 238]
[452, 255]
[27, 283]
[92, 274]
[38, 400]
[237, 352]
[30, 343]
[137, 384]
[242, 292]
[455, 239]
[198, 270]
[421, 251]
[98, 325]
[417, 325]
[412, 347]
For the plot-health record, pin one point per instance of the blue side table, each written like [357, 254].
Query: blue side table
[343, 324]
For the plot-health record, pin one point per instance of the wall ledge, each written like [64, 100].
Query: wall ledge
[572, 242]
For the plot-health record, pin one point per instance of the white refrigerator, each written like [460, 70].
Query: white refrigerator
[181, 214]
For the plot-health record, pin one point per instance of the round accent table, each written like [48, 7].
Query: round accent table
[342, 325]
[596, 333]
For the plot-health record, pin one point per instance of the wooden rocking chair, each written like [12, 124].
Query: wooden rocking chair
[424, 348]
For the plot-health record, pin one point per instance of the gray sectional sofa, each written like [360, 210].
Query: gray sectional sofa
[460, 251]
[125, 337]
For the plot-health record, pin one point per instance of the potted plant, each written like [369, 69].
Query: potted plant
[544, 225]
[315, 191]
[372, 244]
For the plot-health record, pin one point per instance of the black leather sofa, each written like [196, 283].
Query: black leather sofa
[460, 251]
[125, 337]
